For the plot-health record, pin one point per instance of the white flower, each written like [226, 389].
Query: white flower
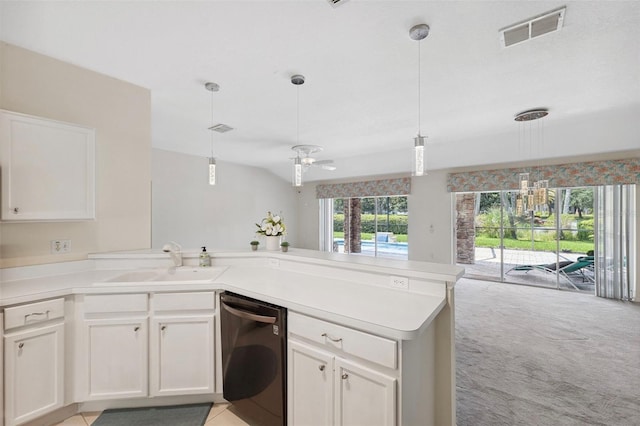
[271, 226]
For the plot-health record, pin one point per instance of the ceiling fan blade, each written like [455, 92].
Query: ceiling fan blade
[327, 167]
[321, 162]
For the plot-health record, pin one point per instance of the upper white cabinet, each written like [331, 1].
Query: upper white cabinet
[47, 169]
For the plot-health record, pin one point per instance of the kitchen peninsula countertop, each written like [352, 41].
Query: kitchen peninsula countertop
[349, 290]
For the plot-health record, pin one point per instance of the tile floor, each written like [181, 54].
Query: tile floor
[218, 416]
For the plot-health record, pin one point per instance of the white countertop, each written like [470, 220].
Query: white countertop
[385, 311]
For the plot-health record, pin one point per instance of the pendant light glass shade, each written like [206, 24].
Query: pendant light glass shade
[418, 156]
[297, 172]
[212, 171]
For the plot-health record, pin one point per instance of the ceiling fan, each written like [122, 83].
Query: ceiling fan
[304, 152]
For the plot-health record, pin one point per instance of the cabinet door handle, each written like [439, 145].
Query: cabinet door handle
[136, 329]
[163, 327]
[20, 345]
[321, 367]
[345, 376]
[34, 314]
[331, 338]
[16, 210]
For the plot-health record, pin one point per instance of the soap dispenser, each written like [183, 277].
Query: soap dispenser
[205, 259]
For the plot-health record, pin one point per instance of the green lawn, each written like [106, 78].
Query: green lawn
[573, 246]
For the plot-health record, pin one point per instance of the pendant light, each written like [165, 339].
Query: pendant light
[212, 87]
[419, 32]
[297, 80]
[532, 196]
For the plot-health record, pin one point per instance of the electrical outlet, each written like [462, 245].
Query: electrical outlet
[399, 282]
[60, 246]
[274, 263]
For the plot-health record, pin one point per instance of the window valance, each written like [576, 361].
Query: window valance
[372, 188]
[609, 172]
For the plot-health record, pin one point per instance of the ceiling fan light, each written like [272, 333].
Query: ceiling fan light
[297, 172]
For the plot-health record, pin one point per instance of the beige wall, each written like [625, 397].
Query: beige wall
[120, 112]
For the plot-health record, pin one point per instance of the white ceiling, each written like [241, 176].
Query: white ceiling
[360, 98]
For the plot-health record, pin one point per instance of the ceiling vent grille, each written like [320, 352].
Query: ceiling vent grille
[336, 3]
[532, 28]
[221, 128]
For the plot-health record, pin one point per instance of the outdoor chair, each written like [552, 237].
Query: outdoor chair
[566, 268]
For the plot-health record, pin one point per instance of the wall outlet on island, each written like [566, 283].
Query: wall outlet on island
[399, 282]
[60, 246]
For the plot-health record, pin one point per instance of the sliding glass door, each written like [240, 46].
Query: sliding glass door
[551, 247]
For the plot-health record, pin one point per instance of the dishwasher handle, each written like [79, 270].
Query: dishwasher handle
[249, 315]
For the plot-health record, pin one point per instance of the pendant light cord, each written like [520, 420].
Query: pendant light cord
[211, 124]
[419, 86]
[298, 115]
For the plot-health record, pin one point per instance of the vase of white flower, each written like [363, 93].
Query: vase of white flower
[272, 243]
[272, 227]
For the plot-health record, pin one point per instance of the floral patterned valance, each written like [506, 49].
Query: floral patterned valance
[610, 172]
[372, 188]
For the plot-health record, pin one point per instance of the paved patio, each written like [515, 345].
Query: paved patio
[487, 266]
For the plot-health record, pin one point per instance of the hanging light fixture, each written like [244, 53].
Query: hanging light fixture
[419, 32]
[212, 87]
[297, 80]
[532, 196]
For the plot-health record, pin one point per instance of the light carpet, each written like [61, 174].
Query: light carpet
[532, 356]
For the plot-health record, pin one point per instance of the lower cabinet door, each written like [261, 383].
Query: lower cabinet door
[117, 358]
[363, 396]
[182, 355]
[34, 373]
[310, 386]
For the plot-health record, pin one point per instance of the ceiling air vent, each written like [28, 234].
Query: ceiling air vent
[336, 3]
[220, 128]
[532, 28]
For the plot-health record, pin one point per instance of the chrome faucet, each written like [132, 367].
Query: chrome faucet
[175, 252]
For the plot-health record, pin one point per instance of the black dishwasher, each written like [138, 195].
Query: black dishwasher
[254, 359]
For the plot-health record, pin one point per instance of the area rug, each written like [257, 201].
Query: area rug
[172, 415]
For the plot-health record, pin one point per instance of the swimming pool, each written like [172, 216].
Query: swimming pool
[384, 249]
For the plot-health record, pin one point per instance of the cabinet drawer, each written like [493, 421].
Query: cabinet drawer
[184, 301]
[115, 303]
[33, 313]
[373, 348]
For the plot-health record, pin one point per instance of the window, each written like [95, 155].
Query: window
[367, 226]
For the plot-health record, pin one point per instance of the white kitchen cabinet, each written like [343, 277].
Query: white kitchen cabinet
[47, 169]
[182, 343]
[182, 355]
[325, 387]
[310, 385]
[363, 396]
[111, 346]
[117, 358]
[34, 360]
[141, 344]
